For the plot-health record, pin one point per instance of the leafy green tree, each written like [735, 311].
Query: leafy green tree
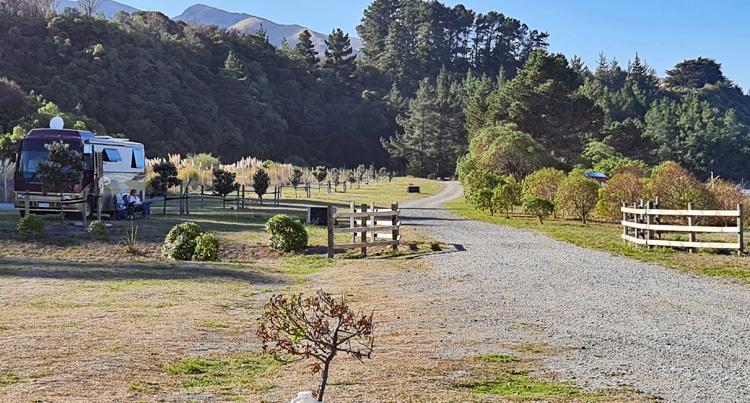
[505, 150]
[537, 207]
[624, 187]
[675, 187]
[338, 55]
[483, 200]
[542, 184]
[305, 50]
[577, 195]
[507, 195]
[62, 169]
[224, 183]
[261, 182]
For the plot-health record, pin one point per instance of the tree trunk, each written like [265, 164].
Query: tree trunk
[62, 209]
[324, 378]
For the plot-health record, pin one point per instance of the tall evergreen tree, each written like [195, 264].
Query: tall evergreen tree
[339, 58]
[434, 135]
[305, 50]
[419, 125]
[695, 73]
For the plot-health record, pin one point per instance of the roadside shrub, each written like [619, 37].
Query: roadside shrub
[676, 187]
[206, 248]
[537, 207]
[543, 184]
[506, 195]
[625, 187]
[98, 230]
[482, 200]
[181, 241]
[577, 195]
[30, 226]
[285, 234]
[726, 195]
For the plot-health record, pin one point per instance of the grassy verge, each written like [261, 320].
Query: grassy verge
[606, 237]
[381, 193]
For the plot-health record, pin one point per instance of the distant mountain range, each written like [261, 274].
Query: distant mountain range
[107, 7]
[240, 22]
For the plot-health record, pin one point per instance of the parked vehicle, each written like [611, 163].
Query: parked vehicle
[113, 166]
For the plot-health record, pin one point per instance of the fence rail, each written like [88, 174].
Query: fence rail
[641, 225]
[365, 229]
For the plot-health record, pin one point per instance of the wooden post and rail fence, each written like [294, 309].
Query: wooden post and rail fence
[369, 227]
[642, 225]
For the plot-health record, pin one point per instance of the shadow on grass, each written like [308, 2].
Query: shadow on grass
[62, 270]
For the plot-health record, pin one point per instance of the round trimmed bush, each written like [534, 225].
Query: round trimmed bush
[285, 234]
[206, 248]
[98, 230]
[30, 226]
[181, 240]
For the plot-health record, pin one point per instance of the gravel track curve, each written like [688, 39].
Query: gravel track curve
[614, 321]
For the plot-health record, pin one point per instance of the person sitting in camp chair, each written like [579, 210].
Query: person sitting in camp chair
[137, 205]
[122, 211]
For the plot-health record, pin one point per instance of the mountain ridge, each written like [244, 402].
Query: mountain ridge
[243, 23]
[247, 23]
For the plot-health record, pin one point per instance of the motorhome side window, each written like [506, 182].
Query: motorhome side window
[137, 160]
[111, 155]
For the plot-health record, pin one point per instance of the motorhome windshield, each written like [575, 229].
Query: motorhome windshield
[33, 151]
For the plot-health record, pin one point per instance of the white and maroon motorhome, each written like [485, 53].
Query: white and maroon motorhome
[114, 165]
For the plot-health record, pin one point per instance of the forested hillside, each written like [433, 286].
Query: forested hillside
[431, 84]
[181, 88]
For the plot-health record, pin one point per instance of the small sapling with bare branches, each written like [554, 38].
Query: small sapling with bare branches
[319, 327]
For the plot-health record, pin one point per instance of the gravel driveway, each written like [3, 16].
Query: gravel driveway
[614, 321]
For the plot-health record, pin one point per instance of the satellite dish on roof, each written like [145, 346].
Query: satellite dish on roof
[57, 123]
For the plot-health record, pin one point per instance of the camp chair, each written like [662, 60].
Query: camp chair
[122, 210]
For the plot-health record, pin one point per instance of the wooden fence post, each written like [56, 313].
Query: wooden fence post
[331, 222]
[351, 222]
[624, 218]
[26, 205]
[740, 234]
[374, 221]
[182, 195]
[363, 236]
[202, 194]
[237, 202]
[243, 197]
[691, 222]
[394, 222]
[187, 201]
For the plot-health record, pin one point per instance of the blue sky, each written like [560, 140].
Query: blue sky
[663, 32]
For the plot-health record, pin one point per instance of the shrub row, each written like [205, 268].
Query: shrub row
[550, 191]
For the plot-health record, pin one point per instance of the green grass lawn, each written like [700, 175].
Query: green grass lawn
[606, 237]
[241, 232]
[381, 193]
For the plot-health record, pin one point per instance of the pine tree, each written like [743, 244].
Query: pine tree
[419, 125]
[450, 139]
[477, 92]
[232, 65]
[339, 58]
[305, 50]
